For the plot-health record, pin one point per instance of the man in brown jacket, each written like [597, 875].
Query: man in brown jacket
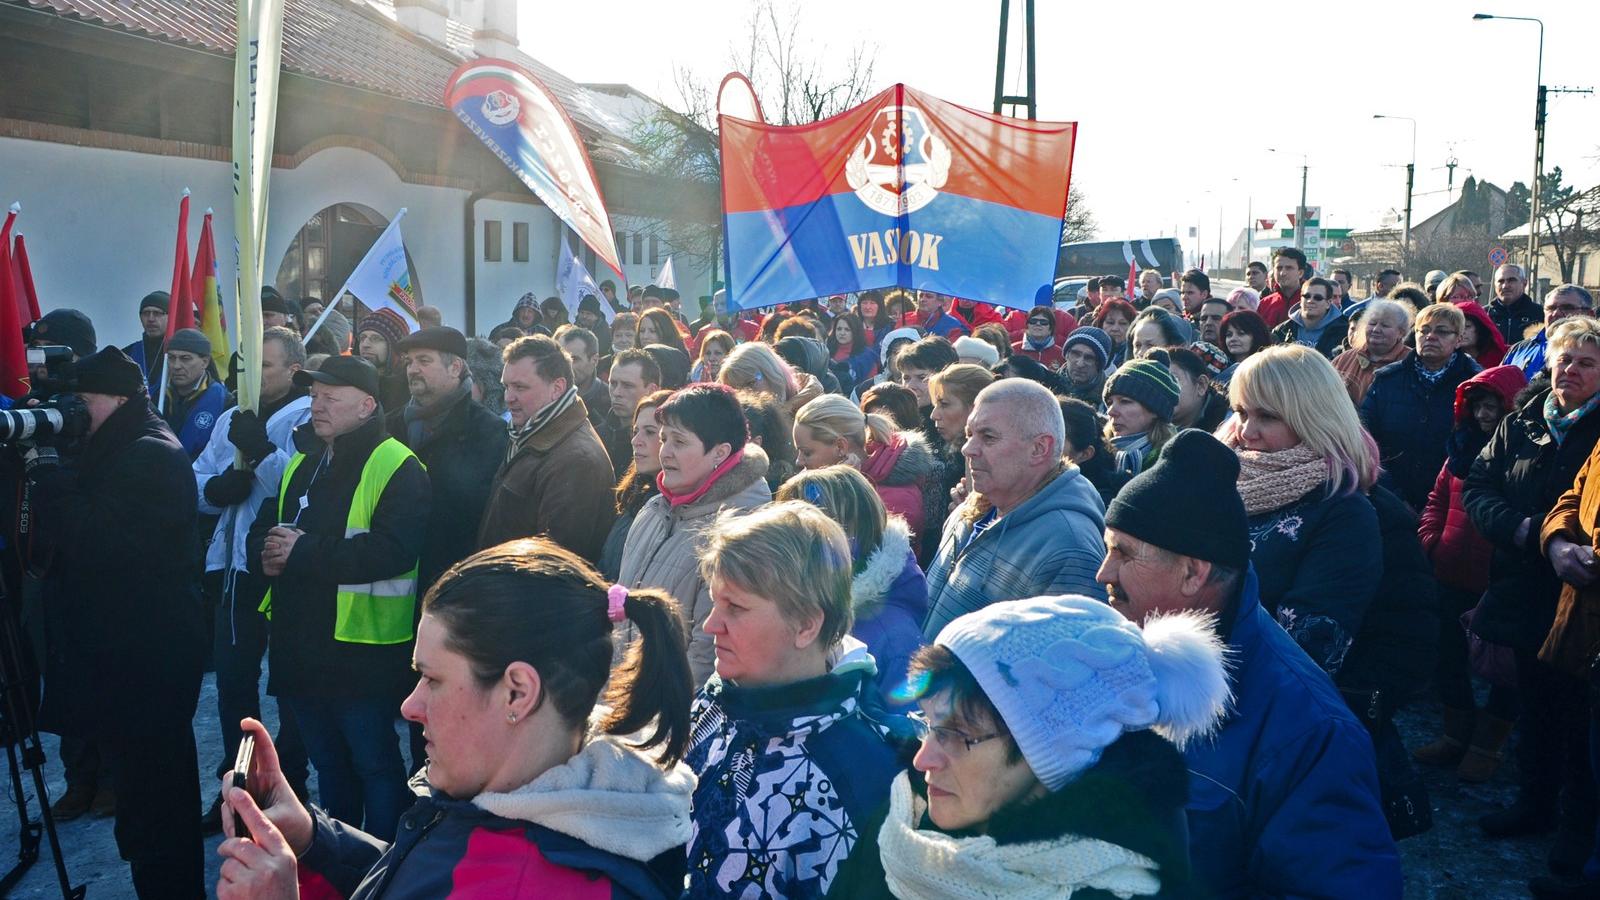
[556, 480]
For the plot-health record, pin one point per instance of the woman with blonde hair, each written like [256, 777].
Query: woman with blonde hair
[755, 366]
[831, 430]
[953, 392]
[888, 592]
[1305, 467]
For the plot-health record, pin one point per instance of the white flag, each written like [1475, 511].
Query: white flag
[667, 278]
[381, 280]
[574, 281]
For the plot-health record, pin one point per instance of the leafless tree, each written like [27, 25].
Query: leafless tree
[1079, 223]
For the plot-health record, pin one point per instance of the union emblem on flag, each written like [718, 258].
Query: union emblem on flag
[900, 164]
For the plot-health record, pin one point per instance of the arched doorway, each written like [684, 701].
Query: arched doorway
[328, 248]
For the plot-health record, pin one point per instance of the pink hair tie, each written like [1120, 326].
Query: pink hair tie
[616, 596]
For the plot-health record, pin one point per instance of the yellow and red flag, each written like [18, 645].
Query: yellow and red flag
[203, 288]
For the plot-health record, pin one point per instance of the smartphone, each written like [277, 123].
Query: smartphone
[240, 778]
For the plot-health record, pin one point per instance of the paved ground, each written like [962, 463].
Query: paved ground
[1451, 862]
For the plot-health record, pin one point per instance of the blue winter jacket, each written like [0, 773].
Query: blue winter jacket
[787, 774]
[889, 597]
[1411, 420]
[1283, 799]
[1528, 355]
[1052, 544]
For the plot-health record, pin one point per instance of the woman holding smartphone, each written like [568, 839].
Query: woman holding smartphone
[527, 798]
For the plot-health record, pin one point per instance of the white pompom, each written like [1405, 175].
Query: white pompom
[1188, 660]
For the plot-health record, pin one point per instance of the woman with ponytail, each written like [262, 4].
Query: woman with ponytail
[1050, 763]
[831, 430]
[531, 793]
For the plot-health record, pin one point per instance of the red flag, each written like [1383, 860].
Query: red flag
[1133, 278]
[25, 275]
[180, 310]
[13, 355]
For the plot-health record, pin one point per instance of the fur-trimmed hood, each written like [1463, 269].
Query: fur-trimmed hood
[906, 459]
[610, 796]
[875, 584]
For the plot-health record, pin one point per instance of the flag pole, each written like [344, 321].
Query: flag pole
[334, 303]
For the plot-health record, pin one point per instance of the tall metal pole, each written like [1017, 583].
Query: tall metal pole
[1000, 60]
[1300, 219]
[1028, 101]
[1411, 173]
[1538, 148]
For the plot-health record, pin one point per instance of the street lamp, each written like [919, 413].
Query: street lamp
[1411, 173]
[1538, 145]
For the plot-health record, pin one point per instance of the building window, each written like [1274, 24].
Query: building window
[638, 248]
[621, 243]
[519, 242]
[655, 251]
[491, 240]
[328, 247]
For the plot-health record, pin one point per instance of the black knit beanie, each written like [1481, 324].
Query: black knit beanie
[1188, 502]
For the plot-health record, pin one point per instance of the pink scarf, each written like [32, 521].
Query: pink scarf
[676, 500]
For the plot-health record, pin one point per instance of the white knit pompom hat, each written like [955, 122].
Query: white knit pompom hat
[1069, 675]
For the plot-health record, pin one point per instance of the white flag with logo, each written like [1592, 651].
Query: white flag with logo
[382, 280]
[667, 278]
[575, 281]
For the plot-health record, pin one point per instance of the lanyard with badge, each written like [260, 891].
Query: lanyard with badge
[305, 498]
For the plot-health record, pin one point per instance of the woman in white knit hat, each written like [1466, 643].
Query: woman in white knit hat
[1048, 765]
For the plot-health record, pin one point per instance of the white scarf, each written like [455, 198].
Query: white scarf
[928, 864]
[609, 796]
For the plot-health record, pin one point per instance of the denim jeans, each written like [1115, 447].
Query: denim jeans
[361, 779]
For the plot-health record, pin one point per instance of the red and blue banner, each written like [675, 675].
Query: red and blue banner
[904, 190]
[523, 124]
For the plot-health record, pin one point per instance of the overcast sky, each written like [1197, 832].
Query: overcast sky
[1177, 105]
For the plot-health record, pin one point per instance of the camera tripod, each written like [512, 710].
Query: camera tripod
[24, 751]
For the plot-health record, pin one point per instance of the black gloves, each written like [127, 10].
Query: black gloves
[248, 433]
[230, 488]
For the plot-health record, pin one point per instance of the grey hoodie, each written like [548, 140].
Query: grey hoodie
[1052, 544]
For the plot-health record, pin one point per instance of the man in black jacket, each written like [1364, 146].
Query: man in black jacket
[1512, 310]
[461, 444]
[123, 618]
[352, 511]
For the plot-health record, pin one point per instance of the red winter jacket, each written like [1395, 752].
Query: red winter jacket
[1459, 553]
[1275, 307]
[1050, 357]
[1491, 355]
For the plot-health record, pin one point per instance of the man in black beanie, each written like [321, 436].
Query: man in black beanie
[124, 631]
[146, 351]
[1283, 799]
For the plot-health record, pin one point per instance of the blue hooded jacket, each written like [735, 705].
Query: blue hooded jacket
[1051, 544]
[1283, 798]
[890, 599]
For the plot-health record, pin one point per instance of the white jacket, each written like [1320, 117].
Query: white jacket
[218, 457]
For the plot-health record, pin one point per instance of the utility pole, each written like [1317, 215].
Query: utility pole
[1028, 101]
[1300, 217]
[1538, 176]
[1411, 173]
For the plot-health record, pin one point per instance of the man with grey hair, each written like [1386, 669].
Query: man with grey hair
[1031, 523]
[1512, 310]
[1563, 300]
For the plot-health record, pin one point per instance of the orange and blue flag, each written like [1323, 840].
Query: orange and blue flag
[904, 190]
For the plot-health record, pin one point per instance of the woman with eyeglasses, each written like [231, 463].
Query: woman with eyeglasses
[1039, 340]
[1411, 406]
[1049, 764]
[791, 746]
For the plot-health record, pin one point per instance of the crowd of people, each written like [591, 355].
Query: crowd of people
[888, 595]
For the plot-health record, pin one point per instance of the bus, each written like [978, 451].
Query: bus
[1083, 260]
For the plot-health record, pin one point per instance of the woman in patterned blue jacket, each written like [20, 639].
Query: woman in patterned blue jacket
[792, 749]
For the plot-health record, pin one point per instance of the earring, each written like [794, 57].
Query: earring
[511, 717]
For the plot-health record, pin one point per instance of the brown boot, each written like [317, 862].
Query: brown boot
[1451, 746]
[1484, 755]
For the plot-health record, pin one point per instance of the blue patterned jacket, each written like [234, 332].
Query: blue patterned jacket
[787, 774]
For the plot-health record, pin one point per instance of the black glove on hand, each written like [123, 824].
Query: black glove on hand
[248, 433]
[230, 488]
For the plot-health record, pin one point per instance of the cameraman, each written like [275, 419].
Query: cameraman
[123, 638]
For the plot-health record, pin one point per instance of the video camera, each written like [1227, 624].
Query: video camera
[61, 415]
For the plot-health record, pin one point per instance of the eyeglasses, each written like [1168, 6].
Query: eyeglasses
[1438, 332]
[1567, 308]
[1044, 322]
[951, 741]
[1319, 297]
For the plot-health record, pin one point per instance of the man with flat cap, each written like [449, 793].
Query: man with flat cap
[351, 513]
[461, 444]
[124, 630]
[146, 351]
[194, 398]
